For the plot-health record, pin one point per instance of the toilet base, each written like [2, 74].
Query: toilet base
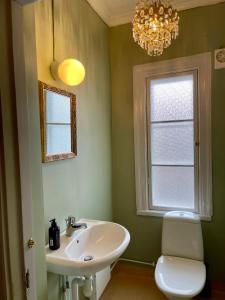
[180, 278]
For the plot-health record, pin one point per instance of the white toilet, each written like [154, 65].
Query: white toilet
[180, 272]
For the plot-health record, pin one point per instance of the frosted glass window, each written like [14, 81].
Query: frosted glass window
[172, 98]
[57, 108]
[173, 187]
[58, 139]
[172, 142]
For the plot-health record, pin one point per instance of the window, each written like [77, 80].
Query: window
[172, 126]
[172, 136]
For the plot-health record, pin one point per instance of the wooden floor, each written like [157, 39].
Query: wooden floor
[136, 282]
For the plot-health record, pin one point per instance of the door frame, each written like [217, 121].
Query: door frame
[5, 282]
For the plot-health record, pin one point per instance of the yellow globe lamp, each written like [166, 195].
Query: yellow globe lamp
[70, 71]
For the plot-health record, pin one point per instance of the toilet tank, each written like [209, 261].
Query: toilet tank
[182, 235]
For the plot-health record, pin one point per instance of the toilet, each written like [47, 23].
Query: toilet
[180, 271]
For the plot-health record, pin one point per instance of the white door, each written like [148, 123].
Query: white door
[21, 56]
[24, 151]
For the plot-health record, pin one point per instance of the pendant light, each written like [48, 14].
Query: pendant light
[155, 25]
[70, 71]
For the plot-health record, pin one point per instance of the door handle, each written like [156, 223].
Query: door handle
[30, 243]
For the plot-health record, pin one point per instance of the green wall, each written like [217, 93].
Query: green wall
[80, 186]
[201, 30]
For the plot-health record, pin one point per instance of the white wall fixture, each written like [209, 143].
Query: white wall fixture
[81, 255]
[87, 252]
[220, 58]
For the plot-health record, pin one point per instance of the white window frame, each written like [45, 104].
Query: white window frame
[198, 64]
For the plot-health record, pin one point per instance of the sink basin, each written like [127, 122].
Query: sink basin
[89, 250]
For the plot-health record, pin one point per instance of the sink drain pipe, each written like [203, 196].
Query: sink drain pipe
[64, 282]
[88, 287]
[86, 283]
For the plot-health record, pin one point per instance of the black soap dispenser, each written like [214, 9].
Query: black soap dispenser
[54, 236]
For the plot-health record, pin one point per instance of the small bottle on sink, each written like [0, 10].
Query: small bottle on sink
[54, 236]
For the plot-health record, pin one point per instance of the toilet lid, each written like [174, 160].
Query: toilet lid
[180, 276]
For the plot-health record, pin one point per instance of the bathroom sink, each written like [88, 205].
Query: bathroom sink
[89, 250]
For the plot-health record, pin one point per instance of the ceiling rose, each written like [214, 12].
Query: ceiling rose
[155, 25]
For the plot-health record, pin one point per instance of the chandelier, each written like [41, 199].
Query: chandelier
[155, 25]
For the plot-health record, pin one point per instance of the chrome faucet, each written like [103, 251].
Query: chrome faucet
[72, 226]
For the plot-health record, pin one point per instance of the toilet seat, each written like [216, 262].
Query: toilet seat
[180, 276]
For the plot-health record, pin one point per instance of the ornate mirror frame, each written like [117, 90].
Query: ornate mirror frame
[43, 88]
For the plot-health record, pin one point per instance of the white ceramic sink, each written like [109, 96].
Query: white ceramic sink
[102, 242]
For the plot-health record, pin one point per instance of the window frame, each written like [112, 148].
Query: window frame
[200, 66]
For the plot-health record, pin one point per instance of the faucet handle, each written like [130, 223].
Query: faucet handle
[70, 220]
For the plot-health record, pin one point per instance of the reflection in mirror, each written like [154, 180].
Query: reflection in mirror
[58, 123]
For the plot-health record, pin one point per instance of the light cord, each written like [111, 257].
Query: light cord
[53, 29]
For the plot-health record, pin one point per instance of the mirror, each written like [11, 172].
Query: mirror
[58, 123]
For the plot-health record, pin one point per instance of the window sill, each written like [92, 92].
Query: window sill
[160, 213]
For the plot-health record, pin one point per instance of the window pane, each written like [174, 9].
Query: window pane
[173, 187]
[59, 139]
[172, 143]
[58, 108]
[172, 98]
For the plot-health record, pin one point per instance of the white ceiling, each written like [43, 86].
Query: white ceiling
[116, 12]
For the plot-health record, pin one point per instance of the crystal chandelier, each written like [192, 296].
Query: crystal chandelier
[155, 25]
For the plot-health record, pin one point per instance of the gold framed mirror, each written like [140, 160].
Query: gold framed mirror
[58, 123]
